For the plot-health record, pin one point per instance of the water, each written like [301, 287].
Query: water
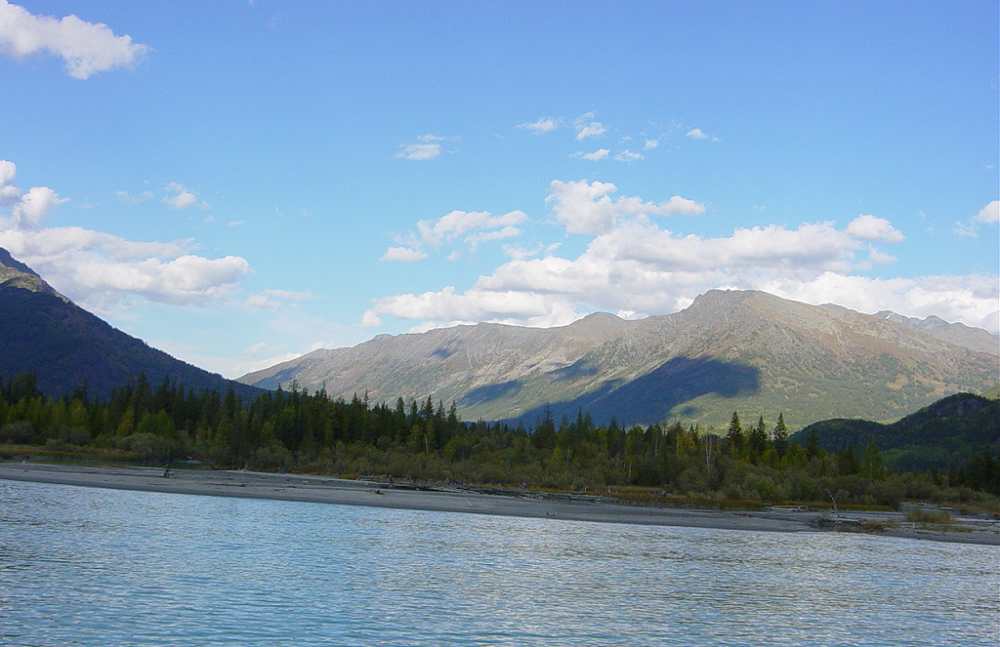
[83, 566]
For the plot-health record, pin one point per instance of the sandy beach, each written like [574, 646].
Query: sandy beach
[318, 489]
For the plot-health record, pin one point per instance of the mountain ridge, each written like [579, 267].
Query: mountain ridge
[745, 350]
[65, 347]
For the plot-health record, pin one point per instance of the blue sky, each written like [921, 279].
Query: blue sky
[267, 156]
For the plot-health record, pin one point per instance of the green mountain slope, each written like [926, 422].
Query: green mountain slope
[945, 434]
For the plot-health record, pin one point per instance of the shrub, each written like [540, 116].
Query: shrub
[21, 432]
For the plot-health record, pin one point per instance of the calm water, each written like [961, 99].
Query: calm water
[102, 567]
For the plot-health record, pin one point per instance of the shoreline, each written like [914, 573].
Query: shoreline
[319, 489]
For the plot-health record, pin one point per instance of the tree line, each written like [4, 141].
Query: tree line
[298, 430]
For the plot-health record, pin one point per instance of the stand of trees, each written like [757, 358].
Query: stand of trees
[284, 430]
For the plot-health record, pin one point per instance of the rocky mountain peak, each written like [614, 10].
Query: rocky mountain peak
[15, 274]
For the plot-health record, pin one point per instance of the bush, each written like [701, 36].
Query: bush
[150, 448]
[21, 432]
[272, 457]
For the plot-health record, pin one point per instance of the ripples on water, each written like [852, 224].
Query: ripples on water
[83, 566]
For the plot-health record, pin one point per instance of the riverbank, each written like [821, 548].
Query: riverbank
[317, 489]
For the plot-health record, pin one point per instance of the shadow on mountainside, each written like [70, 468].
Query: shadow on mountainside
[657, 395]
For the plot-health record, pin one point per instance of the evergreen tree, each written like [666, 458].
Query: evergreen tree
[781, 436]
[735, 434]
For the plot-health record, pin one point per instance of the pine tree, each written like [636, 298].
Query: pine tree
[781, 436]
[735, 434]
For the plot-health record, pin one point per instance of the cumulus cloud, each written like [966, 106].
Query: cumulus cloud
[650, 144]
[34, 205]
[179, 197]
[97, 268]
[29, 208]
[632, 265]
[427, 147]
[989, 213]
[868, 227]
[86, 48]
[970, 228]
[9, 193]
[697, 133]
[594, 156]
[542, 126]
[401, 254]
[588, 207]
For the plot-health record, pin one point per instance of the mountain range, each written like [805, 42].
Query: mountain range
[746, 351]
[729, 350]
[65, 347]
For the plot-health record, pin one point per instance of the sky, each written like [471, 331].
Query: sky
[241, 182]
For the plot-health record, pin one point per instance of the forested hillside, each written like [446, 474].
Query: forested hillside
[311, 432]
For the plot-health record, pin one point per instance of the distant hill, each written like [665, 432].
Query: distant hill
[44, 333]
[730, 350]
[959, 334]
[946, 433]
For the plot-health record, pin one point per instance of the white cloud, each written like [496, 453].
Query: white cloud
[989, 213]
[34, 205]
[593, 156]
[9, 193]
[448, 306]
[8, 171]
[403, 255]
[96, 268]
[650, 144]
[85, 47]
[618, 274]
[587, 127]
[542, 126]
[629, 156]
[633, 266]
[697, 133]
[28, 209]
[428, 147]
[868, 227]
[470, 228]
[274, 299]
[179, 197]
[592, 129]
[519, 252]
[878, 257]
[456, 224]
[588, 208]
[495, 234]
